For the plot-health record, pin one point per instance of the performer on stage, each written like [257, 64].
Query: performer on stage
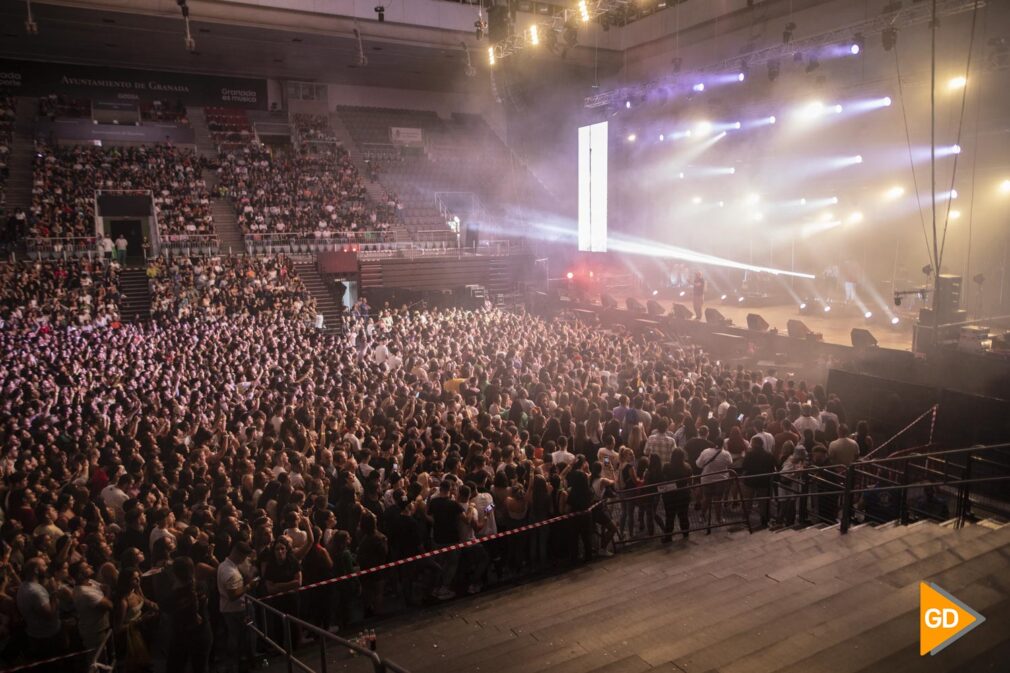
[699, 294]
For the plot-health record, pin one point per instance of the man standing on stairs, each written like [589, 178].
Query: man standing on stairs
[107, 247]
[121, 246]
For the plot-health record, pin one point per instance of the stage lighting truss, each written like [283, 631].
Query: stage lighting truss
[914, 14]
[553, 30]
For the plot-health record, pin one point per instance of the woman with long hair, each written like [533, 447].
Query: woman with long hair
[653, 477]
[282, 573]
[191, 634]
[131, 609]
[677, 501]
[628, 481]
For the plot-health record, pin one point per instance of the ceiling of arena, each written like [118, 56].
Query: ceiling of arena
[418, 46]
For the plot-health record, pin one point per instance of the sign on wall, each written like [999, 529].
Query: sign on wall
[34, 78]
[401, 135]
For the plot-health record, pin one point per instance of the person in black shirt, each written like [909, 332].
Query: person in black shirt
[758, 461]
[696, 444]
[580, 498]
[133, 535]
[446, 515]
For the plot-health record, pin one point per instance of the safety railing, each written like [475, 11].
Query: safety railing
[264, 615]
[937, 486]
[63, 247]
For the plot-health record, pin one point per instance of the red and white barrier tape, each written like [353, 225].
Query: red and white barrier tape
[442, 550]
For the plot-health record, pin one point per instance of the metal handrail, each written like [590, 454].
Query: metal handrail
[379, 664]
[107, 649]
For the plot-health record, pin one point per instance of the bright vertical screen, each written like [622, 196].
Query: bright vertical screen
[593, 188]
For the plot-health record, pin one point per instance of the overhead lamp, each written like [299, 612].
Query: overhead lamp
[534, 35]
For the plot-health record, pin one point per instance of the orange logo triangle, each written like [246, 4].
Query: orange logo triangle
[942, 619]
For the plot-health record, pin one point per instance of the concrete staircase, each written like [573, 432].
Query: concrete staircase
[499, 284]
[230, 238]
[19, 184]
[792, 601]
[327, 303]
[205, 146]
[135, 304]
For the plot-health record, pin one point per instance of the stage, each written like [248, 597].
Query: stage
[836, 325]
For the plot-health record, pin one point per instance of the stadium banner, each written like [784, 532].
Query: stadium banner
[84, 130]
[401, 135]
[34, 78]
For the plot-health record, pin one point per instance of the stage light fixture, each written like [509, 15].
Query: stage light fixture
[703, 128]
[632, 137]
[868, 314]
[741, 77]
[895, 192]
[627, 105]
[655, 293]
[1004, 187]
[889, 38]
[771, 119]
[534, 35]
[662, 137]
[569, 275]
[858, 42]
[955, 83]
[699, 87]
[955, 149]
[955, 214]
[895, 320]
[584, 10]
[381, 11]
[490, 56]
[827, 309]
[722, 297]
[803, 306]
[570, 34]
[787, 32]
[774, 68]
[855, 218]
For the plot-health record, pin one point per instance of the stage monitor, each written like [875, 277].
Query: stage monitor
[593, 188]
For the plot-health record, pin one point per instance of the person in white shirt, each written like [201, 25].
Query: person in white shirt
[767, 439]
[114, 495]
[562, 456]
[714, 464]
[807, 421]
[234, 579]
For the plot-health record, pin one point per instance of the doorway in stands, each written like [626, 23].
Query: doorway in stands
[132, 230]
